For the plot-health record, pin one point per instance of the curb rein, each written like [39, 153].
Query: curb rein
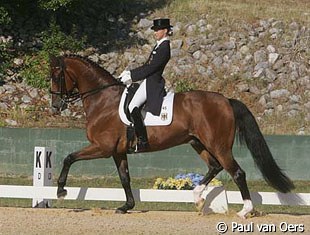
[74, 96]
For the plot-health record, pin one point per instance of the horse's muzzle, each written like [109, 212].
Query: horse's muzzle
[58, 106]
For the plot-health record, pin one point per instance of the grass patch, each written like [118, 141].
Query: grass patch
[147, 183]
[277, 125]
[237, 10]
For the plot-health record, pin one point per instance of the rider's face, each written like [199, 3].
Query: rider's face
[160, 33]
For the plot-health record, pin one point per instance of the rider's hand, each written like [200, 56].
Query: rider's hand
[126, 78]
[125, 72]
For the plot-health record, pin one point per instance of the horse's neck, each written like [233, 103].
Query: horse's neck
[90, 78]
[98, 97]
[90, 81]
[103, 105]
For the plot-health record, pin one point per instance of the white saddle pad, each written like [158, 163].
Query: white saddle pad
[164, 119]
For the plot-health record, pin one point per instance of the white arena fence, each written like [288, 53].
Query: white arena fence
[217, 198]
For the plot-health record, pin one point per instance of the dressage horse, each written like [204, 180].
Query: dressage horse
[206, 120]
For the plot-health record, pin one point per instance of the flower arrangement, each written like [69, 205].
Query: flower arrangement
[183, 182]
[171, 183]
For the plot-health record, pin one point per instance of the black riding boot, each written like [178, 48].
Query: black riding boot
[140, 130]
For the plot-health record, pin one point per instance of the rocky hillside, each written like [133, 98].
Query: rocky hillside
[266, 64]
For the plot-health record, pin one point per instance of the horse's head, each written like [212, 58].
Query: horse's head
[74, 77]
[62, 85]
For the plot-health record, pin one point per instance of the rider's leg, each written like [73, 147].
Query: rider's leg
[138, 99]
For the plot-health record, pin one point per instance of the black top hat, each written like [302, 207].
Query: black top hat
[161, 24]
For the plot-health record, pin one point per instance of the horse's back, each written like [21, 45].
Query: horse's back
[202, 100]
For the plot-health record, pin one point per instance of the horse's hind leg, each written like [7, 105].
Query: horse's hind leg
[214, 168]
[90, 152]
[238, 175]
[122, 167]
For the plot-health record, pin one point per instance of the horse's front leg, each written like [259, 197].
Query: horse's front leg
[61, 192]
[122, 167]
[90, 152]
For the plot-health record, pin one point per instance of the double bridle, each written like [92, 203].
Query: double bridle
[70, 96]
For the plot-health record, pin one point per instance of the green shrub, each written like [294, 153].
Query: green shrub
[4, 16]
[5, 56]
[54, 40]
[36, 70]
[36, 66]
[184, 85]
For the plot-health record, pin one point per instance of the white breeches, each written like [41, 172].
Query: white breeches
[139, 98]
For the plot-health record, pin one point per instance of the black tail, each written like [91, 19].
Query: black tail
[248, 131]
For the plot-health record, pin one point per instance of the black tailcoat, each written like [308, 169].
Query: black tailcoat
[152, 71]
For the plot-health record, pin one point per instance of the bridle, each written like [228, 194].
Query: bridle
[73, 95]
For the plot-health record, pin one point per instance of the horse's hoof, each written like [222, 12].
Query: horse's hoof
[61, 193]
[120, 211]
[200, 204]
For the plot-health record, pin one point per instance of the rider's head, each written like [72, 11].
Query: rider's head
[162, 28]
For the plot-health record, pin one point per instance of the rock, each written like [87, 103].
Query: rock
[229, 45]
[262, 101]
[259, 73]
[176, 53]
[201, 69]
[34, 93]
[201, 23]
[9, 89]
[197, 55]
[244, 50]
[295, 98]
[18, 62]
[94, 57]
[26, 99]
[270, 74]
[191, 29]
[271, 49]
[130, 57]
[279, 108]
[272, 58]
[278, 65]
[292, 113]
[66, 113]
[307, 106]
[217, 62]
[177, 44]
[112, 68]
[279, 93]
[11, 122]
[254, 90]
[140, 59]
[3, 106]
[260, 56]
[294, 26]
[261, 65]
[145, 23]
[243, 87]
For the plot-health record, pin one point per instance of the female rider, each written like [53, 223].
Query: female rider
[152, 89]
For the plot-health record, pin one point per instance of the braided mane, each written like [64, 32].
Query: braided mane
[89, 61]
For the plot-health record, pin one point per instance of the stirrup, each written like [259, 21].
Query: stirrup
[142, 146]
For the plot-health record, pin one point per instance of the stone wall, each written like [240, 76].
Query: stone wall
[267, 59]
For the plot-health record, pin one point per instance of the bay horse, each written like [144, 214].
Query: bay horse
[208, 121]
